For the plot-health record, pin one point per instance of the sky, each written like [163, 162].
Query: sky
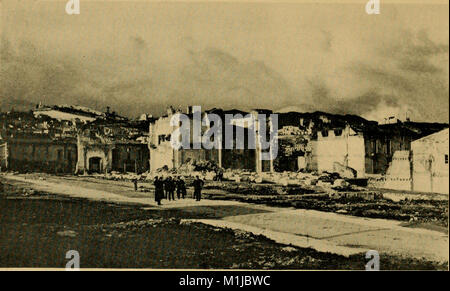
[140, 57]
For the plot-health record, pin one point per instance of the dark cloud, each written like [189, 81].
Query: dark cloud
[405, 72]
[31, 74]
[409, 73]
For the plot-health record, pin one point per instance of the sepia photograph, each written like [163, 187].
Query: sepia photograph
[242, 135]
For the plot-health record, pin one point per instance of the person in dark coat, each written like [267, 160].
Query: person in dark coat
[219, 175]
[198, 185]
[173, 187]
[169, 186]
[135, 182]
[159, 190]
[165, 188]
[181, 188]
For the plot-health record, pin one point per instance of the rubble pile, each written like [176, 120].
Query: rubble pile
[255, 189]
[325, 179]
[252, 183]
[206, 166]
[207, 170]
[118, 176]
[344, 171]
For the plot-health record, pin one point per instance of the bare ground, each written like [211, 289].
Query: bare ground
[237, 213]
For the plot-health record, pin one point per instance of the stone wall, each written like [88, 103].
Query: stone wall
[399, 173]
[345, 147]
[430, 163]
[130, 157]
[42, 156]
[3, 156]
[244, 159]
[120, 157]
[381, 148]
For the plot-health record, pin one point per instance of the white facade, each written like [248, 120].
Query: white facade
[398, 175]
[430, 163]
[161, 151]
[345, 147]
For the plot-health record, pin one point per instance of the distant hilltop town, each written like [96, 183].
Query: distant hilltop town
[78, 140]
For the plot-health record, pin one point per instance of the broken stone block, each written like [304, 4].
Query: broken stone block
[69, 233]
[210, 176]
[258, 180]
[289, 249]
[283, 181]
[344, 171]
[340, 183]
[310, 181]
[324, 183]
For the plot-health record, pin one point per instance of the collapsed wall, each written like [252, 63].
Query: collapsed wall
[345, 147]
[398, 175]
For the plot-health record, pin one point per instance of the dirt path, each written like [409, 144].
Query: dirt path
[323, 231]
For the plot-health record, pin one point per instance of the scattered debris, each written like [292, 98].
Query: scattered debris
[344, 171]
[289, 249]
[69, 233]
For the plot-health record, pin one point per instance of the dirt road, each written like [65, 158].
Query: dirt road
[322, 231]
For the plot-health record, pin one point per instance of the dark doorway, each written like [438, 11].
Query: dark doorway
[116, 160]
[95, 165]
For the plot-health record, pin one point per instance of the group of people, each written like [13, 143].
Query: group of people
[165, 188]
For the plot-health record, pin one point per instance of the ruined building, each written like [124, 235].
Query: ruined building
[424, 168]
[163, 154]
[70, 139]
[104, 146]
[367, 148]
[430, 163]
[38, 143]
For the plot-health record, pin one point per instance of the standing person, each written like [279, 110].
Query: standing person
[159, 191]
[198, 185]
[170, 188]
[135, 182]
[181, 188]
[164, 183]
[219, 175]
[173, 186]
